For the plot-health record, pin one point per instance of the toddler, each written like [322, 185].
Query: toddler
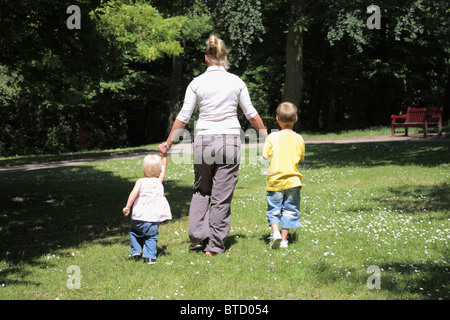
[150, 207]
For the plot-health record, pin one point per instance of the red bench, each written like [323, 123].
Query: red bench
[418, 118]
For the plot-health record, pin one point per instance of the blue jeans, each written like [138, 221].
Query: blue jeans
[143, 238]
[284, 207]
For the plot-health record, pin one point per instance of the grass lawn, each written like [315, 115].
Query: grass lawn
[384, 205]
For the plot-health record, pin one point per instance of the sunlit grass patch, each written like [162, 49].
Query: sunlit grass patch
[362, 205]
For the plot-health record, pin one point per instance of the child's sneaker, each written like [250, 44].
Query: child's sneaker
[284, 244]
[275, 239]
[149, 261]
[134, 256]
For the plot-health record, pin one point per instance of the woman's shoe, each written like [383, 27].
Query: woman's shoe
[195, 246]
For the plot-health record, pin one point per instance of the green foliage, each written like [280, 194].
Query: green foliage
[142, 32]
[9, 85]
[51, 73]
[114, 75]
[62, 90]
[351, 23]
[261, 96]
[240, 23]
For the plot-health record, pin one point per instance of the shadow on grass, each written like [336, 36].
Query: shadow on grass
[46, 211]
[424, 279]
[412, 199]
[423, 153]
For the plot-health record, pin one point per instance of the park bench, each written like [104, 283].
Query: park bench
[418, 118]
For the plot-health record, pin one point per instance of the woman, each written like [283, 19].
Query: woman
[216, 146]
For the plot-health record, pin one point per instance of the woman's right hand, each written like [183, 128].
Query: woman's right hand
[163, 148]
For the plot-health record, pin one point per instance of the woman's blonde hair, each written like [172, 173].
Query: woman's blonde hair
[151, 165]
[216, 51]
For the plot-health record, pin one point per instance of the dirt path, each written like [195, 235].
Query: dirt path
[176, 149]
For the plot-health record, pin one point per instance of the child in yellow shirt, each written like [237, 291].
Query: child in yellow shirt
[287, 149]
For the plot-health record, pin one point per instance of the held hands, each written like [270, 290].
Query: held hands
[163, 148]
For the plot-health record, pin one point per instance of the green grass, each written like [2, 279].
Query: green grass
[373, 131]
[382, 204]
[18, 160]
[370, 132]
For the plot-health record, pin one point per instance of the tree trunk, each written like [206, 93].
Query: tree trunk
[294, 67]
[317, 91]
[334, 60]
[331, 112]
[319, 94]
[174, 101]
[446, 103]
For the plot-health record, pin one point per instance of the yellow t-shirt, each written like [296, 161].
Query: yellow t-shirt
[287, 149]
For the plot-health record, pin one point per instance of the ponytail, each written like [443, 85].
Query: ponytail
[217, 51]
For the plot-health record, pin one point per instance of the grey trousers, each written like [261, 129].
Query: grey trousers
[216, 167]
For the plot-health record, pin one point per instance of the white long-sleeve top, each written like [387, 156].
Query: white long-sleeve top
[217, 94]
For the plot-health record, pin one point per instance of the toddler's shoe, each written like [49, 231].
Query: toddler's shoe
[134, 256]
[284, 244]
[275, 239]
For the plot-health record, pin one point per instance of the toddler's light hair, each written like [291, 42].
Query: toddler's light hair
[151, 165]
[287, 112]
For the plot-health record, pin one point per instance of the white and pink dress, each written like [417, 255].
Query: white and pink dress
[151, 205]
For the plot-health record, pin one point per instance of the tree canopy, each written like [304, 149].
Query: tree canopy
[119, 79]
